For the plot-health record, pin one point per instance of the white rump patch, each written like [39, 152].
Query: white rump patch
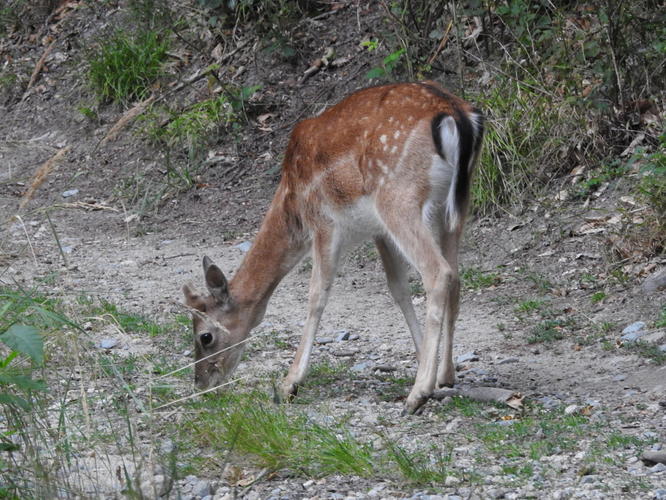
[441, 178]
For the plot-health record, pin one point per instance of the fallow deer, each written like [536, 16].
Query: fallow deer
[392, 163]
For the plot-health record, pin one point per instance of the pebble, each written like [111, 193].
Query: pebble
[571, 409]
[660, 494]
[619, 378]
[634, 331]
[507, 361]
[359, 367]
[451, 481]
[342, 336]
[108, 343]
[202, 488]
[655, 282]
[467, 357]
[167, 446]
[325, 340]
[243, 246]
[662, 347]
[69, 193]
[549, 403]
[633, 336]
[657, 468]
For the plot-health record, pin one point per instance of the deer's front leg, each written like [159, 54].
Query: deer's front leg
[325, 254]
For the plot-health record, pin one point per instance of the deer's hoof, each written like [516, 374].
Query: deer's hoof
[289, 392]
[414, 405]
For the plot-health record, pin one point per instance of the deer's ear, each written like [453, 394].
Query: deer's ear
[193, 299]
[215, 281]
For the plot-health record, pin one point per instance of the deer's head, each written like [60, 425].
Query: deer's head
[219, 328]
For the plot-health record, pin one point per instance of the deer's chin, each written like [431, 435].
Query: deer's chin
[213, 379]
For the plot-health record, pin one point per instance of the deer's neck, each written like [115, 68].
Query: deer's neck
[277, 248]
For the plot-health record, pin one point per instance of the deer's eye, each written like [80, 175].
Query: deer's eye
[206, 338]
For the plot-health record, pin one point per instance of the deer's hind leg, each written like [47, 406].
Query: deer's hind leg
[449, 242]
[421, 247]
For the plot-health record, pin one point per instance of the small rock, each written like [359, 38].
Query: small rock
[656, 469]
[660, 494]
[655, 282]
[374, 492]
[154, 487]
[202, 488]
[325, 340]
[385, 368]
[651, 456]
[70, 192]
[342, 336]
[636, 326]
[549, 403]
[662, 348]
[571, 409]
[167, 446]
[619, 378]
[467, 357]
[354, 336]
[633, 336]
[244, 246]
[359, 367]
[108, 343]
[588, 480]
[345, 353]
[507, 361]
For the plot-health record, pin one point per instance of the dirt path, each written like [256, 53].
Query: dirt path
[144, 275]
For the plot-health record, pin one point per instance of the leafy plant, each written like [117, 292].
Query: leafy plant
[387, 67]
[475, 278]
[127, 65]
[548, 331]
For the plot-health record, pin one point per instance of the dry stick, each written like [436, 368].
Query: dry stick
[459, 51]
[84, 398]
[132, 113]
[55, 235]
[38, 69]
[441, 45]
[41, 174]
[32, 250]
[617, 71]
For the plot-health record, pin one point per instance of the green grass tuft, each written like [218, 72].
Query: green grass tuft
[126, 66]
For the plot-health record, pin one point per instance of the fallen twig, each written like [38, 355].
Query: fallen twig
[85, 206]
[485, 394]
[38, 69]
[132, 113]
[442, 44]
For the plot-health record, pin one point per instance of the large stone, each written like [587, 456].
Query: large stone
[655, 282]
